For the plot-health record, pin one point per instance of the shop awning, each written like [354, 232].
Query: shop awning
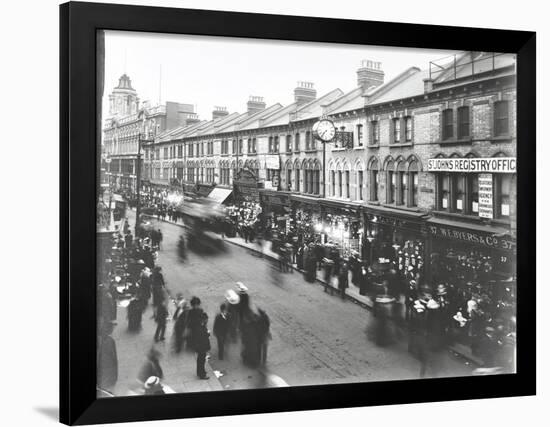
[384, 210]
[219, 195]
[488, 229]
[484, 235]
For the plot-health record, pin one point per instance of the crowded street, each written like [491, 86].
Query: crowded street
[312, 243]
[316, 338]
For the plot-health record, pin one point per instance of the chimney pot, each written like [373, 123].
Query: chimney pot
[219, 112]
[370, 74]
[428, 85]
[304, 92]
[255, 104]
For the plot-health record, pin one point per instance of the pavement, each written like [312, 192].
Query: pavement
[179, 369]
[352, 292]
[317, 338]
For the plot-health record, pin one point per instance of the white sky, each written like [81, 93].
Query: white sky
[208, 71]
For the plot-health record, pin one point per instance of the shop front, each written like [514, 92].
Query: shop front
[476, 265]
[396, 238]
[306, 212]
[246, 186]
[276, 211]
[342, 227]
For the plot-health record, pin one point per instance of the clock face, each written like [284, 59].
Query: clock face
[326, 130]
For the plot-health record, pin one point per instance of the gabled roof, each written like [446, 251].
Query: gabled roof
[409, 83]
[232, 125]
[209, 127]
[347, 102]
[280, 117]
[254, 121]
[315, 108]
[180, 132]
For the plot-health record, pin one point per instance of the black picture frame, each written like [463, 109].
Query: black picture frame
[79, 23]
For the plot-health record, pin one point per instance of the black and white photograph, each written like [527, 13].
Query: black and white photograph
[279, 213]
[282, 213]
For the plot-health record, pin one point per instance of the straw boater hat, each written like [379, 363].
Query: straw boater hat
[232, 297]
[432, 304]
[419, 307]
[152, 382]
[241, 287]
[460, 318]
[441, 289]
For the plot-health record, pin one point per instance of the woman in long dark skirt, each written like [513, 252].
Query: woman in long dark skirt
[135, 310]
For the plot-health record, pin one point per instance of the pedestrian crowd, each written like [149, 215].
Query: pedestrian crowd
[132, 280]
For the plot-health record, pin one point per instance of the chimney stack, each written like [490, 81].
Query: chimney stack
[219, 112]
[255, 104]
[304, 93]
[370, 74]
[428, 85]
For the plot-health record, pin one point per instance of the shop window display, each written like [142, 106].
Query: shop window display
[480, 292]
[473, 188]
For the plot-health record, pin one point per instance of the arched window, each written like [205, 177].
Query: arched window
[332, 179]
[458, 192]
[305, 176]
[390, 182]
[310, 144]
[316, 177]
[373, 180]
[413, 184]
[297, 175]
[288, 175]
[503, 185]
[359, 180]
[401, 198]
[503, 190]
[346, 181]
[444, 191]
[338, 180]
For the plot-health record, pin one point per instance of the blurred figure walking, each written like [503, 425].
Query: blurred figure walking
[161, 316]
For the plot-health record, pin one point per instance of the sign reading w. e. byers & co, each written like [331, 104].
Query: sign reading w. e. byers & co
[480, 238]
[474, 165]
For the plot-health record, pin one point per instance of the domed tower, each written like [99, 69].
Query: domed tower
[123, 101]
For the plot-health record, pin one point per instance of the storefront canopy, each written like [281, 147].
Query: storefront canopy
[485, 235]
[219, 195]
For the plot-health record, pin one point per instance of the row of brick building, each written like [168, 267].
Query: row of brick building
[426, 159]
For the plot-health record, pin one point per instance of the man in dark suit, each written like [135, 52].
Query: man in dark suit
[221, 329]
[194, 322]
[202, 346]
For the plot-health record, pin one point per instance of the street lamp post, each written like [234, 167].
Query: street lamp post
[138, 185]
[138, 172]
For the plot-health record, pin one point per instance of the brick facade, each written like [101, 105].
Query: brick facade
[421, 111]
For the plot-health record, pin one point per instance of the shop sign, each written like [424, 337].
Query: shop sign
[393, 222]
[276, 200]
[272, 161]
[485, 204]
[471, 236]
[474, 165]
[246, 184]
[275, 180]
